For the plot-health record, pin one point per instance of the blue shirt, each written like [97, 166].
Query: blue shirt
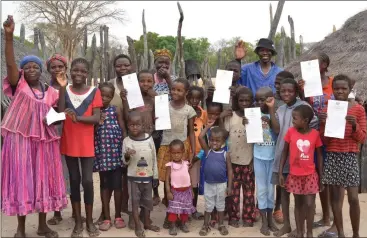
[215, 168]
[266, 149]
[253, 78]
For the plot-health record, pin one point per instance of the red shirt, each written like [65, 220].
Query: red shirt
[77, 139]
[351, 140]
[301, 151]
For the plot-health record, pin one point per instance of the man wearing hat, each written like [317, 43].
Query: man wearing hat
[261, 73]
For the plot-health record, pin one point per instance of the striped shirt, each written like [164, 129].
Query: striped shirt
[351, 140]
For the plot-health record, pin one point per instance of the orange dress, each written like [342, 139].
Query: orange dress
[77, 139]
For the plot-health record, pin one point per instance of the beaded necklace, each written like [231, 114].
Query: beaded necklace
[43, 91]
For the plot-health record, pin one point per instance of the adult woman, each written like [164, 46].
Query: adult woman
[32, 179]
[162, 84]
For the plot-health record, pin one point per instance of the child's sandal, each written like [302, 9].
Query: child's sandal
[223, 230]
[204, 231]
[119, 223]
[105, 226]
[140, 234]
[172, 230]
[184, 228]
[234, 223]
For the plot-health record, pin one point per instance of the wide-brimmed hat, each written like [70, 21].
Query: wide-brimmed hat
[267, 44]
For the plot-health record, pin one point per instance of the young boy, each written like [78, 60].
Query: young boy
[217, 169]
[140, 157]
[278, 215]
[263, 164]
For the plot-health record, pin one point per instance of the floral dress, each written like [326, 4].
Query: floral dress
[108, 143]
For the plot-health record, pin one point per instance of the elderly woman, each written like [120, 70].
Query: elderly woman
[32, 180]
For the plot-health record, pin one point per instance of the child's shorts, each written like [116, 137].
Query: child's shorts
[111, 179]
[303, 185]
[215, 196]
[140, 195]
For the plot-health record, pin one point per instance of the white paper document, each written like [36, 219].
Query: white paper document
[53, 116]
[163, 121]
[134, 97]
[311, 75]
[335, 121]
[223, 81]
[254, 128]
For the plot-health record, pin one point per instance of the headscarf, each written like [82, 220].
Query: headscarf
[162, 52]
[56, 57]
[31, 58]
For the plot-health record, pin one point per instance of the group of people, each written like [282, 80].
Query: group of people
[204, 153]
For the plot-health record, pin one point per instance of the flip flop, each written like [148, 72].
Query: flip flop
[105, 226]
[328, 234]
[140, 234]
[94, 232]
[77, 233]
[204, 230]
[317, 224]
[48, 234]
[119, 223]
[223, 230]
[54, 221]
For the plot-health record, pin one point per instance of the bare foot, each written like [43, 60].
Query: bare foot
[47, 232]
[321, 223]
[309, 235]
[273, 227]
[265, 229]
[152, 228]
[293, 234]
[284, 230]
[19, 234]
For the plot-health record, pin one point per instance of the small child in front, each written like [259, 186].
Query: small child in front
[178, 188]
[218, 168]
[303, 181]
[140, 157]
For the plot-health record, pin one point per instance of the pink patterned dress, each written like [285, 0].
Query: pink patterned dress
[32, 176]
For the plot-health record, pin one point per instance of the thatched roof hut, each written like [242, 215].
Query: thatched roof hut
[347, 49]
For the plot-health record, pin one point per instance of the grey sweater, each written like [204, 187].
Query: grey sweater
[284, 117]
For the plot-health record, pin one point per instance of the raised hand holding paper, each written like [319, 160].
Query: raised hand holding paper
[335, 121]
[134, 97]
[163, 121]
[223, 82]
[311, 75]
[254, 128]
[52, 116]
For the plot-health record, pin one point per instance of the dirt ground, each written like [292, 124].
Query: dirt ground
[65, 227]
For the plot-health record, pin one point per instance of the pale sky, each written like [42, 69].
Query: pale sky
[225, 19]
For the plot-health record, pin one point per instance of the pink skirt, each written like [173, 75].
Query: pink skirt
[302, 185]
[31, 176]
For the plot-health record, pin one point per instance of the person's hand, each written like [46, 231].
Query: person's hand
[69, 112]
[151, 93]
[251, 166]
[103, 117]
[226, 113]
[129, 152]
[164, 73]
[322, 116]
[270, 102]
[244, 121]
[155, 183]
[228, 192]
[9, 25]
[265, 119]
[240, 50]
[210, 91]
[61, 79]
[301, 84]
[281, 180]
[123, 95]
[233, 90]
[210, 123]
[169, 196]
[321, 186]
[351, 119]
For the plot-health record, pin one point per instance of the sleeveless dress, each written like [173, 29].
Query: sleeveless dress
[32, 176]
[108, 143]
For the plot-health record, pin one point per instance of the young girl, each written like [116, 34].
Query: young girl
[108, 145]
[182, 128]
[303, 181]
[178, 187]
[341, 169]
[83, 103]
[30, 154]
[281, 121]
[241, 156]
[195, 97]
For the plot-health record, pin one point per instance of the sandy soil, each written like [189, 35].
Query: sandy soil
[65, 227]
